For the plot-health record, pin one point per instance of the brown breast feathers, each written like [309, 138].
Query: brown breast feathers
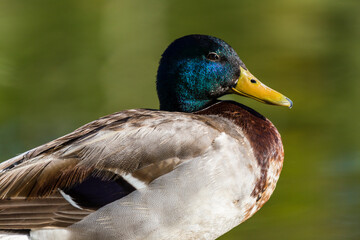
[265, 141]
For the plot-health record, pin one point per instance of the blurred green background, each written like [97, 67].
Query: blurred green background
[65, 63]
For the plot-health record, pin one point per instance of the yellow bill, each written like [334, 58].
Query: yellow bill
[250, 86]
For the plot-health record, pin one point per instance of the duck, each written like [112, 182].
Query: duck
[194, 169]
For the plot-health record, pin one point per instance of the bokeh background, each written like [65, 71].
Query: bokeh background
[65, 63]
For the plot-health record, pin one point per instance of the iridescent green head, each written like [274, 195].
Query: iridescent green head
[195, 70]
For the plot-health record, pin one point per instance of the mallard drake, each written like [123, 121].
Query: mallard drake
[194, 169]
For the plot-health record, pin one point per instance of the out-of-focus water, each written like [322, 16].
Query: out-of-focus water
[65, 63]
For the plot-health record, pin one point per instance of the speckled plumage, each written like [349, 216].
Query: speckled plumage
[152, 174]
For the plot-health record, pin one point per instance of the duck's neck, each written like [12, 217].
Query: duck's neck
[178, 96]
[184, 105]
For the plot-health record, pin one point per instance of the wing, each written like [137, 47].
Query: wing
[59, 183]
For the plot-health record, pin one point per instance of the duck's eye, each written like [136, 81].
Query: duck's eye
[253, 81]
[213, 56]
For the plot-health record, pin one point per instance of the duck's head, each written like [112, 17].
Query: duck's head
[195, 70]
